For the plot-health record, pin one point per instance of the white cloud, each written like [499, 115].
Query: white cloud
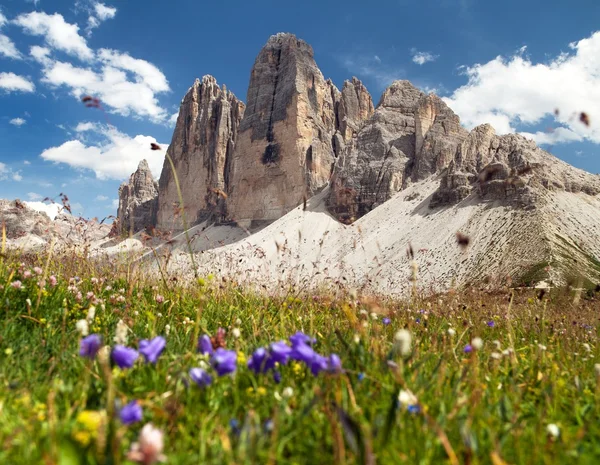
[26, 162]
[104, 12]
[115, 203]
[115, 158]
[17, 176]
[17, 121]
[368, 67]
[101, 198]
[3, 19]
[421, 58]
[8, 48]
[57, 33]
[52, 209]
[6, 172]
[146, 72]
[41, 54]
[34, 196]
[173, 119]
[12, 82]
[98, 14]
[377, 59]
[508, 92]
[77, 208]
[87, 126]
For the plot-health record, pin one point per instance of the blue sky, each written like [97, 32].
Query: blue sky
[508, 63]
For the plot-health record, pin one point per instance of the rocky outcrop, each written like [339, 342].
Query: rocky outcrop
[409, 137]
[202, 150]
[509, 168]
[288, 138]
[138, 201]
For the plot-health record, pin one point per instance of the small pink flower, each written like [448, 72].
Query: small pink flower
[94, 280]
[38, 270]
[53, 281]
[79, 297]
[89, 295]
[159, 299]
[16, 284]
[27, 274]
[148, 449]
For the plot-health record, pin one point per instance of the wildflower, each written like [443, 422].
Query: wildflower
[497, 344]
[89, 346]
[451, 331]
[151, 350]
[260, 361]
[200, 377]
[235, 426]
[224, 361]
[374, 316]
[269, 425]
[204, 345]
[236, 333]
[468, 349]
[82, 327]
[238, 322]
[334, 364]
[27, 274]
[386, 321]
[356, 338]
[318, 364]
[94, 280]
[131, 413]
[496, 355]
[303, 353]
[287, 393]
[276, 377]
[408, 399]
[280, 352]
[148, 449]
[37, 270]
[159, 299]
[167, 329]
[53, 281]
[542, 347]
[477, 343]
[300, 337]
[89, 295]
[491, 323]
[91, 314]
[124, 357]
[597, 369]
[16, 284]
[553, 430]
[587, 347]
[361, 376]
[403, 340]
[8, 351]
[121, 333]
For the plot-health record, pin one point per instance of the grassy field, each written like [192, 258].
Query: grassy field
[466, 377]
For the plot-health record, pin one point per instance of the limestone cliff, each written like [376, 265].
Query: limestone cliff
[137, 201]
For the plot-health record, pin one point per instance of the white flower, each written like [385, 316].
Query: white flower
[91, 314]
[374, 316]
[121, 333]
[363, 312]
[356, 338]
[167, 329]
[542, 347]
[403, 340]
[202, 364]
[587, 347]
[365, 324]
[238, 322]
[236, 333]
[83, 327]
[451, 331]
[288, 392]
[477, 343]
[496, 355]
[498, 344]
[148, 449]
[553, 430]
[406, 398]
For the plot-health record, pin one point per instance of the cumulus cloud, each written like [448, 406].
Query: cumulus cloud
[173, 119]
[6, 173]
[50, 209]
[116, 157]
[17, 121]
[11, 82]
[8, 48]
[34, 196]
[101, 198]
[514, 91]
[420, 58]
[57, 33]
[17, 176]
[98, 14]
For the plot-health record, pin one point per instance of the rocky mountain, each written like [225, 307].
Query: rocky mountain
[202, 151]
[317, 166]
[138, 201]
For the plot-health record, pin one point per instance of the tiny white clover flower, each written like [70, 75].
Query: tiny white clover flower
[451, 331]
[82, 327]
[403, 340]
[406, 398]
[236, 333]
[477, 343]
[553, 430]
[121, 333]
[287, 393]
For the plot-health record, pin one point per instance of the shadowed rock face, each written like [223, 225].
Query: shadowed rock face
[202, 151]
[138, 201]
[286, 148]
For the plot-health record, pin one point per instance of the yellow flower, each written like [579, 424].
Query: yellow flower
[8, 351]
[261, 391]
[241, 358]
[82, 437]
[296, 368]
[250, 391]
[90, 420]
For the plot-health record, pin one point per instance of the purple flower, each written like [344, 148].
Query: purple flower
[224, 361]
[468, 349]
[301, 338]
[280, 352]
[386, 321]
[318, 364]
[334, 364]
[303, 353]
[491, 323]
[200, 377]
[361, 376]
[204, 345]
[90, 345]
[151, 350]
[277, 377]
[413, 408]
[124, 357]
[131, 413]
[259, 360]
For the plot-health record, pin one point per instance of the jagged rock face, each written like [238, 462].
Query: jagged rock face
[409, 137]
[285, 149]
[509, 168]
[202, 152]
[138, 201]
[353, 106]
